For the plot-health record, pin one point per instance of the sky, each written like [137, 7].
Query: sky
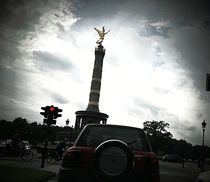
[155, 65]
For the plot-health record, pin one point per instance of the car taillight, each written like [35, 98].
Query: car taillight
[154, 163]
[71, 158]
[147, 161]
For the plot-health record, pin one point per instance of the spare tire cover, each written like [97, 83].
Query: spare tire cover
[113, 160]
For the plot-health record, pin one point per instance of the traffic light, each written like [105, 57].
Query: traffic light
[50, 114]
[56, 112]
[51, 111]
[45, 121]
[46, 111]
[49, 121]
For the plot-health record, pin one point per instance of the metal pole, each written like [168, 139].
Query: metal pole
[202, 159]
[45, 147]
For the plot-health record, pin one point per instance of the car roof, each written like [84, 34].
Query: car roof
[112, 125]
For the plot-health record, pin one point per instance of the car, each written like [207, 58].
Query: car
[104, 152]
[5, 143]
[203, 177]
[8, 143]
[172, 158]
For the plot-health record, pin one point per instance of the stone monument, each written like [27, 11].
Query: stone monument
[92, 113]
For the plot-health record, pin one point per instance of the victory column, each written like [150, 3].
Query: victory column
[92, 114]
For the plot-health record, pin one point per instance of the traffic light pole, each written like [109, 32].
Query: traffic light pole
[50, 114]
[45, 147]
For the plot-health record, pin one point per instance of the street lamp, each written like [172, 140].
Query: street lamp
[67, 122]
[202, 161]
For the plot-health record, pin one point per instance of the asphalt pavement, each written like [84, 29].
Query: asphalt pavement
[173, 172]
[34, 164]
[176, 172]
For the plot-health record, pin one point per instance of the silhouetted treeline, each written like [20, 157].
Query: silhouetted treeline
[162, 142]
[32, 132]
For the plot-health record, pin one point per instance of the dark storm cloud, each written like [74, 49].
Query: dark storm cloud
[187, 131]
[19, 14]
[150, 30]
[17, 18]
[7, 109]
[7, 82]
[184, 126]
[46, 60]
[153, 10]
[193, 45]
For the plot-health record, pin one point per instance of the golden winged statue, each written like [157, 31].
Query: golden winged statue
[101, 34]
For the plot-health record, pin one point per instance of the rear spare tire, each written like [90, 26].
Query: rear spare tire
[113, 161]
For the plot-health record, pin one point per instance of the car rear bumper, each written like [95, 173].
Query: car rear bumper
[87, 175]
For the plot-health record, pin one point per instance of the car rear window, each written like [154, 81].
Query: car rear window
[93, 135]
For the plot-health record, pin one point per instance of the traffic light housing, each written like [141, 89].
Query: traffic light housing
[46, 111]
[56, 112]
[50, 114]
[49, 122]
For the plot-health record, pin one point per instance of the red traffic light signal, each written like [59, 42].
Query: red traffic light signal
[52, 108]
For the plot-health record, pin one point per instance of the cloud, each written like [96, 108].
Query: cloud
[58, 98]
[146, 105]
[154, 68]
[7, 81]
[193, 43]
[49, 61]
[150, 30]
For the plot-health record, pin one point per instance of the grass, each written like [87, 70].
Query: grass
[14, 174]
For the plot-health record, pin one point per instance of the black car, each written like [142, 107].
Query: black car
[172, 158]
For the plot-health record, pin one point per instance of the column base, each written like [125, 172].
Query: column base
[89, 117]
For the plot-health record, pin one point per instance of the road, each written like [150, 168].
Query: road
[174, 172]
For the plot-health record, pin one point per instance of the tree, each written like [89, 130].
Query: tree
[158, 135]
[19, 126]
[5, 129]
[156, 128]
